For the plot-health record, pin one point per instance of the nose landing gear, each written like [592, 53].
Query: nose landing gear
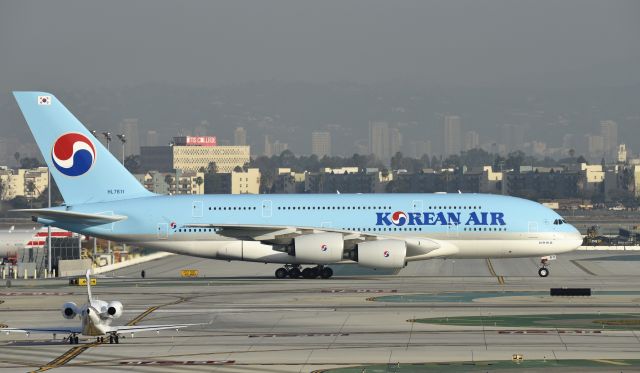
[543, 271]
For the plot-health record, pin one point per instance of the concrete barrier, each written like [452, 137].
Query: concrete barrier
[127, 263]
[76, 267]
[609, 248]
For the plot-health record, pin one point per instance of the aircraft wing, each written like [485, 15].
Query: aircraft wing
[275, 234]
[45, 330]
[72, 216]
[147, 328]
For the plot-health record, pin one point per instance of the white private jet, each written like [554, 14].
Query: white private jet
[96, 317]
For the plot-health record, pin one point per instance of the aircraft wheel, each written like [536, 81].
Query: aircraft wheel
[308, 273]
[117, 339]
[110, 339]
[281, 273]
[70, 340]
[295, 273]
[543, 272]
[326, 272]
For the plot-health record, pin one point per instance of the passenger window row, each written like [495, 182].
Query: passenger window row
[485, 229]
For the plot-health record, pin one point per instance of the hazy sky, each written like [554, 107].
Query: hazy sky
[70, 43]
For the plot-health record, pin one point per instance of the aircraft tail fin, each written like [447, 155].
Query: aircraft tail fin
[83, 168]
[88, 277]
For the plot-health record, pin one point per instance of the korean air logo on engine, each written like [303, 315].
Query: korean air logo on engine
[386, 253]
[324, 247]
[73, 154]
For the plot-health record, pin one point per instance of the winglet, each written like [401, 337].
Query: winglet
[88, 276]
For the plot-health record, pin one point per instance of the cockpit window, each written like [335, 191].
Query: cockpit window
[559, 222]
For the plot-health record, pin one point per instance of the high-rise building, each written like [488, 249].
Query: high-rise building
[595, 146]
[471, 140]
[240, 136]
[418, 149]
[512, 136]
[129, 128]
[622, 153]
[152, 138]
[274, 148]
[321, 143]
[609, 133]
[379, 140]
[452, 133]
[395, 141]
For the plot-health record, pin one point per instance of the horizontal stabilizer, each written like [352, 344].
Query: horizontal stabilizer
[72, 216]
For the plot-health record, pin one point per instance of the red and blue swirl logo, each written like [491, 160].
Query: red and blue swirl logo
[399, 218]
[386, 253]
[324, 247]
[73, 154]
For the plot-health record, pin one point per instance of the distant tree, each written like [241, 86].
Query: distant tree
[212, 168]
[168, 179]
[30, 162]
[237, 169]
[199, 181]
[16, 155]
[581, 159]
[572, 153]
[133, 164]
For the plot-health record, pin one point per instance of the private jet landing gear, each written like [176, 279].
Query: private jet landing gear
[293, 271]
[73, 339]
[100, 339]
[544, 262]
[114, 338]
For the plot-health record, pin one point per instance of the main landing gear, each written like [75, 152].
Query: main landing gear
[73, 339]
[114, 338]
[293, 271]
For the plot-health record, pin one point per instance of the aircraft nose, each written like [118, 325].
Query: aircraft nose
[576, 237]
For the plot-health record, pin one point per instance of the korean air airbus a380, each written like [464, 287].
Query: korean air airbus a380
[103, 199]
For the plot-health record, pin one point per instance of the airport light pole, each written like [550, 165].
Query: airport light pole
[124, 140]
[107, 136]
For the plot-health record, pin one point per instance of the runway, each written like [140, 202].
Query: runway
[253, 322]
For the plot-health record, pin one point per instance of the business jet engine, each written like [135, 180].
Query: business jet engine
[70, 310]
[380, 254]
[114, 309]
[318, 248]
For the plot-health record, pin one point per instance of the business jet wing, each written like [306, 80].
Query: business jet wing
[147, 328]
[43, 330]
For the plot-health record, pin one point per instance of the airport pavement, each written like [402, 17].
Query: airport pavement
[253, 322]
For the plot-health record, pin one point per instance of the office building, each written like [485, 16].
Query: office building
[321, 144]
[471, 140]
[609, 133]
[129, 128]
[452, 133]
[379, 140]
[240, 137]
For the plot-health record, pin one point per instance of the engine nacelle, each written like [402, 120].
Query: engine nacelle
[318, 248]
[70, 310]
[380, 254]
[114, 309]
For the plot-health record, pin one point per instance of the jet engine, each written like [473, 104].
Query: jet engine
[114, 309]
[69, 310]
[318, 248]
[380, 254]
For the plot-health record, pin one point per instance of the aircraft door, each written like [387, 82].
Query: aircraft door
[163, 231]
[266, 208]
[533, 229]
[196, 209]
